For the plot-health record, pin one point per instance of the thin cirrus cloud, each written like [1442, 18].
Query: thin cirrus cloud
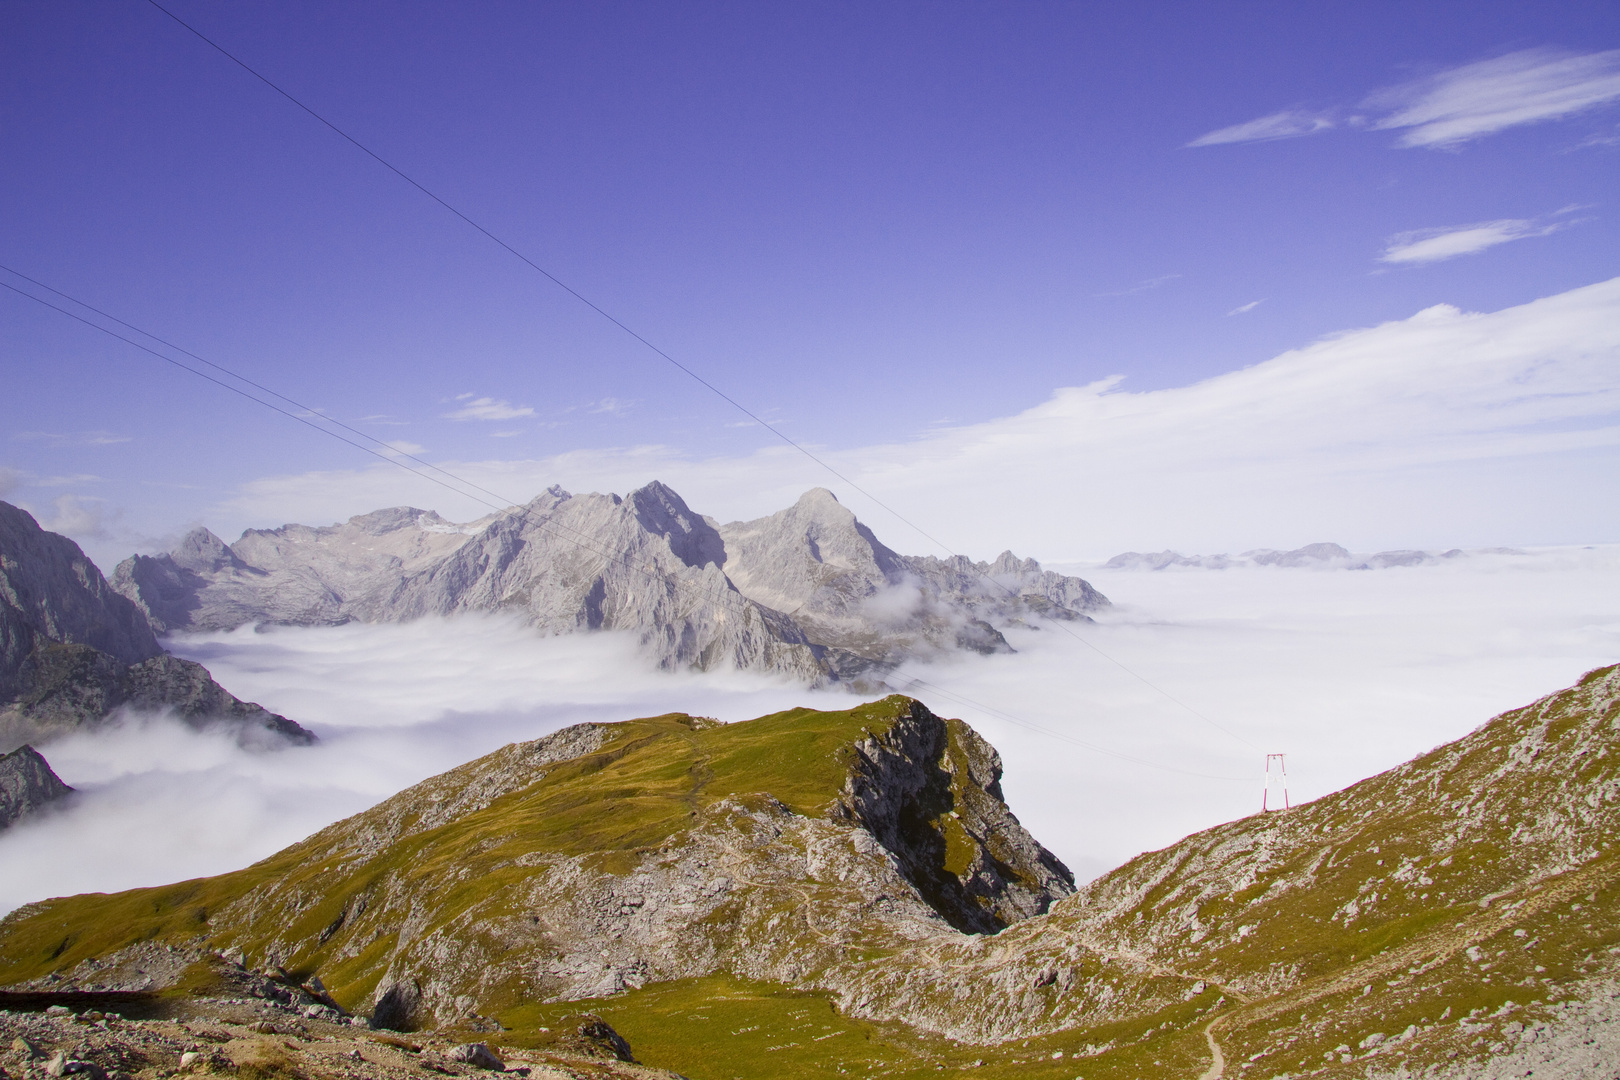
[1244, 309]
[1527, 87]
[1436, 245]
[1462, 103]
[1289, 124]
[1141, 286]
[72, 438]
[487, 408]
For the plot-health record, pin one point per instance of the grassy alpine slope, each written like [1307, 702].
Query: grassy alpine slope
[792, 897]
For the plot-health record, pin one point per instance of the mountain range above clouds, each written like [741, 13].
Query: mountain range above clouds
[1315, 556]
[808, 592]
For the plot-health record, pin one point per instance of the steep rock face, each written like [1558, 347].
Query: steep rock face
[27, 783]
[931, 794]
[809, 592]
[73, 650]
[51, 592]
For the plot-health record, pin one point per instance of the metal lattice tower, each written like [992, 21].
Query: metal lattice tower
[1280, 777]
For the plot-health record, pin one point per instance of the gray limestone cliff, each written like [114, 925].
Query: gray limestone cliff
[73, 651]
[26, 784]
[809, 592]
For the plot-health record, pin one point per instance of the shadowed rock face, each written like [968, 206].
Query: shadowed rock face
[930, 793]
[26, 784]
[73, 650]
[51, 592]
[809, 592]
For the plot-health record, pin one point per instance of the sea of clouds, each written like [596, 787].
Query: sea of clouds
[1347, 672]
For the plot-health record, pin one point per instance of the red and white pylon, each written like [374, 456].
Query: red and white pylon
[1281, 779]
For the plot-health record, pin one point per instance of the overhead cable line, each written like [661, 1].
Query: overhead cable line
[626, 328]
[521, 511]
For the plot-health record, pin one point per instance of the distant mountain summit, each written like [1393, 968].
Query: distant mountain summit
[1311, 556]
[809, 592]
[73, 650]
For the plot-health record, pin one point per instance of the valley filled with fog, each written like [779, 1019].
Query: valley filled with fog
[1348, 672]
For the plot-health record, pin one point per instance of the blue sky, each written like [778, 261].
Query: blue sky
[876, 225]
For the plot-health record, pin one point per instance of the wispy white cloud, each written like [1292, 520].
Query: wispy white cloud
[385, 420]
[72, 438]
[80, 517]
[1290, 124]
[1436, 245]
[487, 408]
[505, 434]
[1526, 87]
[1460, 104]
[612, 405]
[401, 446]
[1142, 286]
[1243, 309]
[65, 480]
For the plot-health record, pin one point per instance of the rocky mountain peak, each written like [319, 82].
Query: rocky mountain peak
[392, 519]
[201, 552]
[50, 591]
[27, 783]
[662, 512]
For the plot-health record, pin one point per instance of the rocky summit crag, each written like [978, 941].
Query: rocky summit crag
[824, 892]
[73, 651]
[27, 784]
[809, 592]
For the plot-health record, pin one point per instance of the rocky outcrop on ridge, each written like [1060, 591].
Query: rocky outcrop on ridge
[27, 784]
[73, 651]
[809, 592]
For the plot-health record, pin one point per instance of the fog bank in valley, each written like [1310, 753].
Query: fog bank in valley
[1348, 672]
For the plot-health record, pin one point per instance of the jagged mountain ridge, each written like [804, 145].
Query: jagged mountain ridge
[73, 651]
[809, 591]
